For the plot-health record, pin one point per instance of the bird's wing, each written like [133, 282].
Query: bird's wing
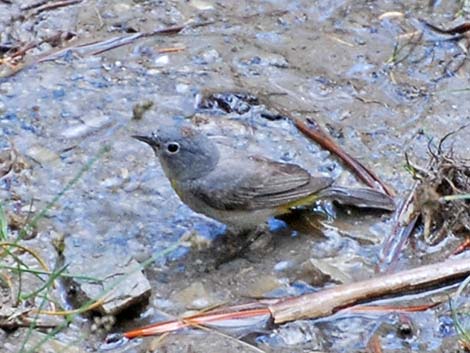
[256, 183]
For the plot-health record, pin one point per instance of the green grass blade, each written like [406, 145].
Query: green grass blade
[3, 224]
[32, 224]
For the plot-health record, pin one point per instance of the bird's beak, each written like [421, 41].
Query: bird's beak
[152, 141]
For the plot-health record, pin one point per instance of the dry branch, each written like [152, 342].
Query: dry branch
[331, 300]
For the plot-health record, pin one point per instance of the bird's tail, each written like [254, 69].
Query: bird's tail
[360, 197]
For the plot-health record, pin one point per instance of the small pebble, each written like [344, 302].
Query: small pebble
[161, 61]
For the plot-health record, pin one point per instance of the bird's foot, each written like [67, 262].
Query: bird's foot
[247, 245]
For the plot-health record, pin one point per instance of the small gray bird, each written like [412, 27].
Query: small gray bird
[242, 190]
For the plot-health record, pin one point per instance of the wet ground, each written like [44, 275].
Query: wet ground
[371, 80]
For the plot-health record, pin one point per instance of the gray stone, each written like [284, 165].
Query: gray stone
[92, 124]
[42, 154]
[121, 281]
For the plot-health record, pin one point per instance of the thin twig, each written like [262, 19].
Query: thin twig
[52, 6]
[35, 5]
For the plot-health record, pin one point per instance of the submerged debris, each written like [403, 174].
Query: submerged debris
[141, 108]
[228, 102]
[11, 161]
[442, 198]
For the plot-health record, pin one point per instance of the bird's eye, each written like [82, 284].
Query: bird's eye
[173, 147]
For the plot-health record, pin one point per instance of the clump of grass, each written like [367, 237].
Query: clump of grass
[443, 193]
[14, 265]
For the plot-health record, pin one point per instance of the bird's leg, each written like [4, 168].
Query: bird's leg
[239, 242]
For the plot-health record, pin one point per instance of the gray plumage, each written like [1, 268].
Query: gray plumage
[241, 190]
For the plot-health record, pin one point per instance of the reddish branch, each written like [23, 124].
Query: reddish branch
[313, 130]
[464, 246]
[460, 29]
[194, 321]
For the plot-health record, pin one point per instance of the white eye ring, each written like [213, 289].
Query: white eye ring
[173, 147]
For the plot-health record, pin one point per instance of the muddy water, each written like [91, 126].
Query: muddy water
[330, 60]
